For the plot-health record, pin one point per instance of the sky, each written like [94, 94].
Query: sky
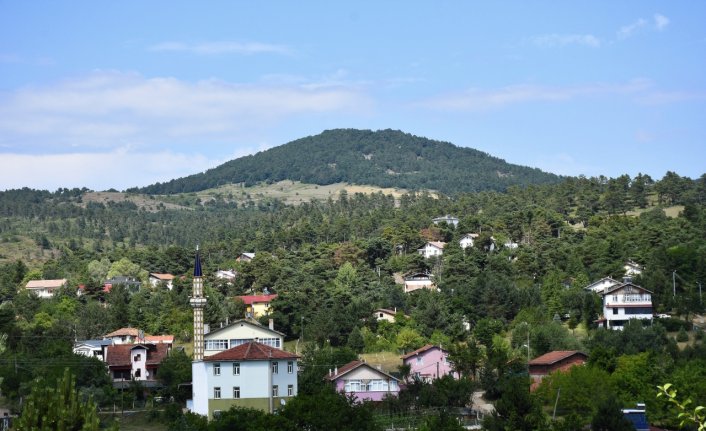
[121, 94]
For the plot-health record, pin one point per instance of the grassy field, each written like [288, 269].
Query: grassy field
[135, 421]
[388, 361]
[291, 192]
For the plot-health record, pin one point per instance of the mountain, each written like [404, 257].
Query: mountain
[384, 158]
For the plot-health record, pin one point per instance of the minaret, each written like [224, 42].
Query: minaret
[198, 302]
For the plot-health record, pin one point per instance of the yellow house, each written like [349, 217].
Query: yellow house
[257, 305]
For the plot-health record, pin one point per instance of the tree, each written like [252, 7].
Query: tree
[609, 417]
[686, 415]
[517, 409]
[174, 370]
[58, 408]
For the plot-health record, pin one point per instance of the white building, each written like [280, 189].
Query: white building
[431, 249]
[45, 288]
[250, 375]
[240, 332]
[623, 302]
[418, 280]
[157, 278]
[448, 219]
[468, 240]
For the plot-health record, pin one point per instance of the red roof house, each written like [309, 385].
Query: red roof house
[559, 360]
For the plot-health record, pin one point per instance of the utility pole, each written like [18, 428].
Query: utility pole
[674, 283]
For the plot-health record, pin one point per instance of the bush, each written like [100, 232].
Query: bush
[672, 325]
[682, 335]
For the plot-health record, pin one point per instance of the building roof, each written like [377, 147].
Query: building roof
[119, 355]
[251, 351]
[197, 264]
[51, 284]
[352, 365]
[251, 322]
[422, 350]
[94, 343]
[601, 281]
[248, 255]
[169, 339]
[253, 299]
[555, 356]
[418, 275]
[124, 332]
[437, 244]
[619, 286]
[163, 277]
[470, 235]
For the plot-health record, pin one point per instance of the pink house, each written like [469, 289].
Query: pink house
[363, 381]
[428, 363]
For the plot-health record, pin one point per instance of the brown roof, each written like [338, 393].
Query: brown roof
[421, 350]
[118, 355]
[251, 351]
[165, 277]
[38, 284]
[124, 332]
[352, 365]
[555, 356]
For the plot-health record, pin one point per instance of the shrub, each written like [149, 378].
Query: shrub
[682, 335]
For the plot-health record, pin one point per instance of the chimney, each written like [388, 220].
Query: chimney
[272, 324]
[206, 328]
[330, 372]
[335, 371]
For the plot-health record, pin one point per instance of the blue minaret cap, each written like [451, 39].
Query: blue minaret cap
[197, 264]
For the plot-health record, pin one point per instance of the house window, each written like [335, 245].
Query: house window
[275, 391]
[275, 367]
[236, 368]
[217, 393]
[216, 344]
[290, 367]
[290, 390]
[236, 392]
[217, 369]
[272, 342]
[615, 311]
[419, 360]
[137, 358]
[138, 373]
[353, 386]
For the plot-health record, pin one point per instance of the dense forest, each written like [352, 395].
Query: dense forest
[385, 158]
[332, 262]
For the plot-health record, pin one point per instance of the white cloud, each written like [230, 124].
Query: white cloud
[224, 47]
[661, 21]
[560, 40]
[630, 29]
[479, 100]
[121, 168]
[112, 109]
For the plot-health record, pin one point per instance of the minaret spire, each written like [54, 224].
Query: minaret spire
[198, 302]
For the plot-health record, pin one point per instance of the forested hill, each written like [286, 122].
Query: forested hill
[385, 158]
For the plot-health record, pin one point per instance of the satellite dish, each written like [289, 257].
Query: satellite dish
[282, 401]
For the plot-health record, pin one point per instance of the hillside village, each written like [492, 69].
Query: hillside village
[439, 314]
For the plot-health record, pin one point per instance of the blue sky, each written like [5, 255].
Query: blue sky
[121, 94]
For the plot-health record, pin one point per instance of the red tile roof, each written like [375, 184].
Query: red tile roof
[421, 350]
[554, 357]
[159, 339]
[251, 351]
[252, 299]
[119, 355]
